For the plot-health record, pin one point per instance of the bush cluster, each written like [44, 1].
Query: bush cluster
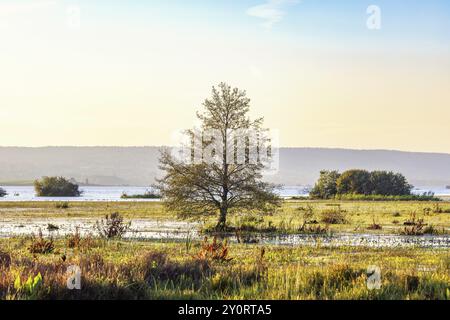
[332, 184]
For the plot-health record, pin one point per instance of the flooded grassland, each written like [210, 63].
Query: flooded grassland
[305, 250]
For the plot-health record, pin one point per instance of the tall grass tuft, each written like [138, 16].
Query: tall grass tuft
[112, 226]
[40, 245]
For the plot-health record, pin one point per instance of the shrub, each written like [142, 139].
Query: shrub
[332, 184]
[438, 209]
[354, 181]
[3, 193]
[377, 197]
[389, 184]
[52, 227]
[56, 187]
[432, 230]
[146, 195]
[411, 283]
[413, 220]
[41, 245]
[375, 225]
[112, 227]
[317, 229]
[62, 205]
[307, 214]
[214, 251]
[75, 240]
[5, 259]
[333, 216]
[414, 226]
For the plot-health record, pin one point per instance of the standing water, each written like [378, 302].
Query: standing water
[113, 193]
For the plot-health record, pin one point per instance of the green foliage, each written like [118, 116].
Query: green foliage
[326, 186]
[221, 185]
[334, 216]
[147, 195]
[29, 289]
[364, 185]
[56, 187]
[2, 193]
[389, 184]
[354, 181]
[381, 198]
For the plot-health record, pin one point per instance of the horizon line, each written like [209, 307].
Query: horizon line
[282, 147]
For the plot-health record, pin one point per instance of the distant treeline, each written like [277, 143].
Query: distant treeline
[364, 185]
[146, 195]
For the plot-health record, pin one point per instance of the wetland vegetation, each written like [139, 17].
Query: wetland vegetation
[118, 269]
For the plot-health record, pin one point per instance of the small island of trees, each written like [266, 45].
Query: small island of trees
[3, 192]
[56, 187]
[365, 185]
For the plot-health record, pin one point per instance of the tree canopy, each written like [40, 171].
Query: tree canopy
[360, 182]
[56, 187]
[325, 187]
[223, 171]
[354, 181]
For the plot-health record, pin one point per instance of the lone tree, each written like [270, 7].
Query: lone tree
[222, 173]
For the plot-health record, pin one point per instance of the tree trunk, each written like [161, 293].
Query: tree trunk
[221, 224]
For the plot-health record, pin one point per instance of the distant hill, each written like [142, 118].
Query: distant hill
[139, 165]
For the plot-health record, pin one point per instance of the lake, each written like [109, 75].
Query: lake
[113, 193]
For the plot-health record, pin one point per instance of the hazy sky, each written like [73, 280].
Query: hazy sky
[133, 72]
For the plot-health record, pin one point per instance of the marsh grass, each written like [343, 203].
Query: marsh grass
[415, 226]
[214, 251]
[146, 270]
[62, 205]
[375, 225]
[334, 216]
[113, 226]
[76, 241]
[40, 245]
